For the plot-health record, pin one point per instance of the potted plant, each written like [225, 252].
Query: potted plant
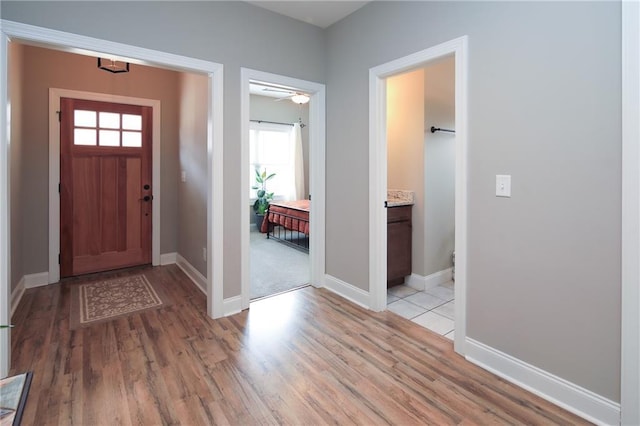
[262, 196]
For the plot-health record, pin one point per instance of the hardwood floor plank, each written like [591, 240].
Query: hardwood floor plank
[303, 357]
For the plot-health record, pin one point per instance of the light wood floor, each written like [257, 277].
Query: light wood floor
[304, 357]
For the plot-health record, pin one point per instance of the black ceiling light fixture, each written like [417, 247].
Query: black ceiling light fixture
[113, 65]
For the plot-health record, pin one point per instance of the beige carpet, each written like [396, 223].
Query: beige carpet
[275, 267]
[105, 300]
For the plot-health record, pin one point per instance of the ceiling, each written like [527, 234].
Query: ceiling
[319, 13]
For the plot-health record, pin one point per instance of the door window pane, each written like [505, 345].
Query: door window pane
[84, 137]
[83, 118]
[132, 139]
[109, 120]
[131, 122]
[109, 138]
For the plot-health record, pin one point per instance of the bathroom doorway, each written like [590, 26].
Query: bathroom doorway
[421, 195]
[378, 213]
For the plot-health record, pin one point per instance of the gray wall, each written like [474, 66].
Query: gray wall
[192, 194]
[544, 106]
[15, 161]
[439, 166]
[44, 69]
[235, 34]
[405, 151]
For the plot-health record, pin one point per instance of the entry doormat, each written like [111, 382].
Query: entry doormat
[105, 300]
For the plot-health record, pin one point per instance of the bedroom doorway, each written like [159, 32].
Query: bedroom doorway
[282, 169]
[279, 196]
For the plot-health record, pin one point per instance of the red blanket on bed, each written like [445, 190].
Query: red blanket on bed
[292, 215]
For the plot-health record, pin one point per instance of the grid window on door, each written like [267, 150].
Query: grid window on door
[109, 129]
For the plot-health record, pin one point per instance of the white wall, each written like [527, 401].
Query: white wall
[439, 166]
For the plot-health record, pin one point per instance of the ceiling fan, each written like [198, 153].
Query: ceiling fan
[281, 93]
[296, 97]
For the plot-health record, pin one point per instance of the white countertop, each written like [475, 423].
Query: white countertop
[400, 197]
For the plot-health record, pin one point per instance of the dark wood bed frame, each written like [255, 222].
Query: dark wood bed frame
[291, 237]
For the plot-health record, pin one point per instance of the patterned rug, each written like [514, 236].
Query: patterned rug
[104, 300]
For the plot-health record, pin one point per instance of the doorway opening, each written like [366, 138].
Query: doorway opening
[379, 214]
[279, 196]
[421, 195]
[277, 128]
[68, 42]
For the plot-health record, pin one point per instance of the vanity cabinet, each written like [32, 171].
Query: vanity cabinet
[398, 244]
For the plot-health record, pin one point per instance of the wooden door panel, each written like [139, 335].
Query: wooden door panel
[85, 225]
[133, 198]
[105, 224]
[109, 203]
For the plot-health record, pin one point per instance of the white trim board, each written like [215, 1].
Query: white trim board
[27, 281]
[348, 291]
[215, 188]
[561, 392]
[190, 271]
[316, 173]
[16, 296]
[54, 169]
[378, 174]
[5, 209]
[630, 273]
[168, 258]
[36, 280]
[231, 305]
[421, 283]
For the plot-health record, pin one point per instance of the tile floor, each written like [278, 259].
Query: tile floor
[432, 308]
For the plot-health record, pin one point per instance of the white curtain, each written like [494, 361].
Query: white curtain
[298, 162]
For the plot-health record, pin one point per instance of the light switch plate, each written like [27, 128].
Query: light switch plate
[183, 176]
[503, 185]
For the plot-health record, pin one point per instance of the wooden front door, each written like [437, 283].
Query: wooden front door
[105, 186]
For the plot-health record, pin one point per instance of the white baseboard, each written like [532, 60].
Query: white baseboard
[232, 305]
[198, 279]
[16, 295]
[561, 392]
[36, 280]
[421, 283]
[168, 258]
[348, 291]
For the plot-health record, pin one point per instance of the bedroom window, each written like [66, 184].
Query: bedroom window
[271, 148]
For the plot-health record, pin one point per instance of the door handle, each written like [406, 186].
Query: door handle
[146, 198]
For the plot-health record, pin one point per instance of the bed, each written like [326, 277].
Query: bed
[288, 222]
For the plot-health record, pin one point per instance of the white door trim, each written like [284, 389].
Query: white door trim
[630, 341]
[88, 45]
[378, 174]
[316, 173]
[5, 210]
[54, 169]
